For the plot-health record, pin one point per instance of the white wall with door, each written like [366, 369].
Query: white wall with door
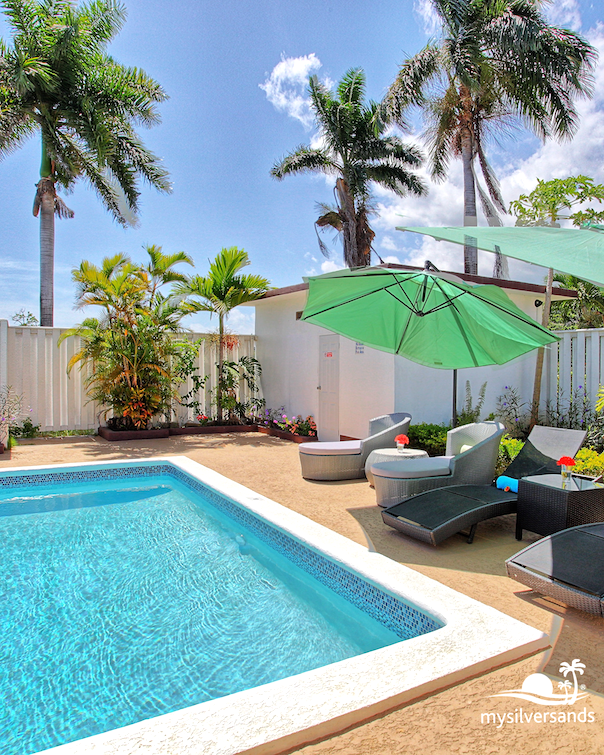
[373, 382]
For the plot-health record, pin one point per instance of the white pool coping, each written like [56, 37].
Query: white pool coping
[287, 713]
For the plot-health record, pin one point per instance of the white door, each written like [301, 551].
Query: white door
[329, 388]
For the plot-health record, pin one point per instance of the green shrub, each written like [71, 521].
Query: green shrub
[509, 448]
[429, 438]
[589, 462]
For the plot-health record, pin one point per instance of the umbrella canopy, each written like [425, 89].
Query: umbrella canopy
[434, 319]
[576, 251]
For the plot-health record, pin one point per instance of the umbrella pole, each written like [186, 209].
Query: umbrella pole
[541, 353]
[454, 420]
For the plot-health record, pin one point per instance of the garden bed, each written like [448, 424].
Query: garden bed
[116, 435]
[285, 435]
[209, 429]
[113, 435]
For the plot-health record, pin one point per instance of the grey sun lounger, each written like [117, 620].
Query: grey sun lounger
[567, 566]
[435, 515]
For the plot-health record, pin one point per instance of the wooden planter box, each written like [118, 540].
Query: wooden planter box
[113, 435]
[210, 429]
[285, 435]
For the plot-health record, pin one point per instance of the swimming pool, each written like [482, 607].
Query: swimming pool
[355, 591]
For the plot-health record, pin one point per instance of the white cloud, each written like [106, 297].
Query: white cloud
[389, 244]
[564, 13]
[430, 20]
[329, 266]
[392, 258]
[286, 85]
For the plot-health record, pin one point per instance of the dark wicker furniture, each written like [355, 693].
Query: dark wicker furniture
[547, 504]
[567, 566]
[435, 515]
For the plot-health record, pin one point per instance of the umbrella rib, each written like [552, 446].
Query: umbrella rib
[457, 314]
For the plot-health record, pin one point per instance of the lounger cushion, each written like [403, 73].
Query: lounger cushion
[413, 468]
[335, 448]
[436, 507]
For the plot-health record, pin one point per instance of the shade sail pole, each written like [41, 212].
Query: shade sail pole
[541, 353]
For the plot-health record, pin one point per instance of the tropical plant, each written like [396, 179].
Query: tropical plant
[25, 319]
[544, 205]
[496, 63]
[11, 411]
[355, 150]
[219, 292]
[132, 352]
[246, 370]
[585, 311]
[471, 412]
[57, 80]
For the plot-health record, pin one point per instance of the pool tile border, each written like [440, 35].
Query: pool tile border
[404, 620]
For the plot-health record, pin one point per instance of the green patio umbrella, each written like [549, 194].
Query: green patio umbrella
[432, 318]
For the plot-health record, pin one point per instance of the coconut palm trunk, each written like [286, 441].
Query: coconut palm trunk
[220, 363]
[470, 252]
[47, 251]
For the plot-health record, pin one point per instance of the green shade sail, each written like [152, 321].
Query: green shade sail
[434, 319]
[576, 251]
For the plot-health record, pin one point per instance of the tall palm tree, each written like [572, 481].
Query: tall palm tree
[57, 81]
[355, 150]
[220, 291]
[497, 62]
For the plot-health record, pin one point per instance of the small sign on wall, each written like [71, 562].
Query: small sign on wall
[359, 348]
[328, 353]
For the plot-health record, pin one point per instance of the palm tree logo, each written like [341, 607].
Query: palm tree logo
[538, 688]
[572, 668]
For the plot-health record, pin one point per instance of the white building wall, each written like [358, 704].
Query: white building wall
[372, 382]
[288, 350]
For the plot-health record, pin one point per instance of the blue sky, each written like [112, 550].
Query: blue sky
[235, 73]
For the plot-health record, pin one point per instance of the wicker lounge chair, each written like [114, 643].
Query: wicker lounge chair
[345, 460]
[470, 458]
[567, 566]
[436, 515]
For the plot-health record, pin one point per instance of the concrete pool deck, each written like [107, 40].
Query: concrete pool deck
[445, 722]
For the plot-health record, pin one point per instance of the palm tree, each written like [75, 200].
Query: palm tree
[58, 81]
[355, 150]
[496, 63]
[220, 291]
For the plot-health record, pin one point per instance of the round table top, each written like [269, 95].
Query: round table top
[391, 454]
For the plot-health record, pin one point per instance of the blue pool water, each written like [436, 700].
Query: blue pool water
[124, 600]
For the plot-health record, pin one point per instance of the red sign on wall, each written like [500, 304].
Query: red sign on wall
[328, 353]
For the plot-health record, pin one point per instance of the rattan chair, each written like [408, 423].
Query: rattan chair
[345, 460]
[470, 458]
[435, 515]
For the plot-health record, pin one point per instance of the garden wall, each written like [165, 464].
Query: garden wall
[34, 365]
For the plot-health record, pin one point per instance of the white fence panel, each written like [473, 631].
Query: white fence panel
[575, 365]
[32, 362]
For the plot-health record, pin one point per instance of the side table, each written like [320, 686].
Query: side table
[546, 506]
[390, 454]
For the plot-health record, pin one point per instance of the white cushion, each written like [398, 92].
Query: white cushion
[465, 448]
[413, 468]
[331, 448]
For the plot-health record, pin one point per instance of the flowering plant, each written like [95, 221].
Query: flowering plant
[566, 461]
[402, 440]
[202, 419]
[11, 411]
[276, 418]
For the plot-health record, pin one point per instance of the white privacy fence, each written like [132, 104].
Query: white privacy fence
[575, 363]
[33, 364]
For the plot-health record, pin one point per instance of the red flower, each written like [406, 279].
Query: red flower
[566, 461]
[403, 439]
